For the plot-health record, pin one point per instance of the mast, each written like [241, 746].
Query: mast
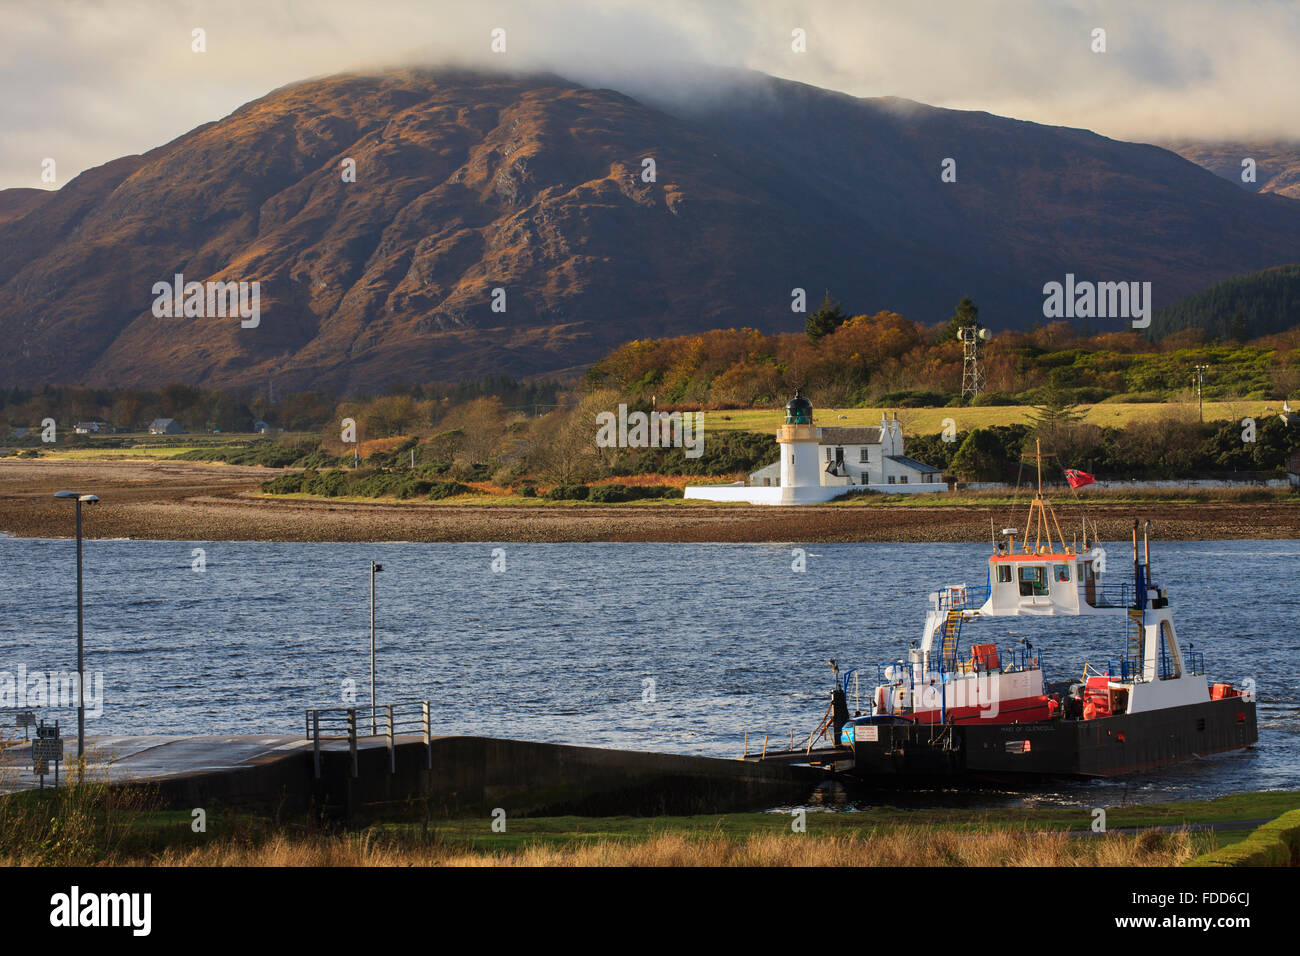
[1039, 509]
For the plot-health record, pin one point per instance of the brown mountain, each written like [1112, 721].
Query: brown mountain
[1277, 162]
[468, 182]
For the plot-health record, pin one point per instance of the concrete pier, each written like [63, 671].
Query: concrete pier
[469, 776]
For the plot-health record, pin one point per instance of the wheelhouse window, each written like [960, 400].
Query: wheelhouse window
[1033, 580]
[1004, 574]
[1061, 573]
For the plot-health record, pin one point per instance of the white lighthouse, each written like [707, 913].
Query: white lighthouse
[799, 440]
[818, 464]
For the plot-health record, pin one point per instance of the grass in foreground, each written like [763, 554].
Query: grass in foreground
[907, 846]
[100, 825]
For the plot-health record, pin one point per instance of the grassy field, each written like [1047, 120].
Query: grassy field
[134, 453]
[95, 824]
[929, 421]
[143, 446]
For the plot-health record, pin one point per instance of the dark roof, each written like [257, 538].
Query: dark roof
[844, 435]
[914, 464]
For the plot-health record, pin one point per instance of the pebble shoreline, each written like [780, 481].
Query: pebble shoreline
[200, 502]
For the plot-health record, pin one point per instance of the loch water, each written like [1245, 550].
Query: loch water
[669, 647]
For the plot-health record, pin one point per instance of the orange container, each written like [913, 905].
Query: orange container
[985, 656]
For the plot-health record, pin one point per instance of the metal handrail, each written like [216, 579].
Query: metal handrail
[345, 719]
[968, 596]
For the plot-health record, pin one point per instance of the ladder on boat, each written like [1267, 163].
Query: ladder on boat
[949, 632]
[1134, 644]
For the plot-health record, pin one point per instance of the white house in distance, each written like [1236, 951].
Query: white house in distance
[817, 464]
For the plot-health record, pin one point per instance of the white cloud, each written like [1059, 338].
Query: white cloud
[86, 82]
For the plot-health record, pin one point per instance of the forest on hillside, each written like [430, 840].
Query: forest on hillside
[439, 439]
[1259, 303]
[888, 360]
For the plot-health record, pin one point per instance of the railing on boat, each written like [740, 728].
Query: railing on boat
[957, 597]
[1131, 669]
[1020, 659]
[901, 673]
[1108, 595]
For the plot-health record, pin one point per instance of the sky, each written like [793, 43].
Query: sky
[86, 81]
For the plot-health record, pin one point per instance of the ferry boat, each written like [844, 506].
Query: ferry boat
[959, 707]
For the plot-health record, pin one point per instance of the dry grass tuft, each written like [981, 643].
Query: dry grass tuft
[919, 846]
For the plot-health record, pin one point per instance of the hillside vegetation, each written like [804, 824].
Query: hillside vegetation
[1260, 303]
[886, 360]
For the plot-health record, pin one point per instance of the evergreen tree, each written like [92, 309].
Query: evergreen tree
[981, 457]
[967, 314]
[1057, 409]
[1239, 328]
[828, 317]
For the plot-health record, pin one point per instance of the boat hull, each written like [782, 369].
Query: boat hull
[1019, 752]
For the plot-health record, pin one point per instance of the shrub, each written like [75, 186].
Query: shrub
[609, 493]
[618, 493]
[448, 489]
[569, 493]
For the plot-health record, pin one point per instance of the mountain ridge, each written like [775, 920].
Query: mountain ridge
[468, 182]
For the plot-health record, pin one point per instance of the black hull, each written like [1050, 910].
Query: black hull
[1051, 749]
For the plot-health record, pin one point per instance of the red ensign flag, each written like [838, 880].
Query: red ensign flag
[1078, 479]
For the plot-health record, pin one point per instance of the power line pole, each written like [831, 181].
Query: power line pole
[1198, 380]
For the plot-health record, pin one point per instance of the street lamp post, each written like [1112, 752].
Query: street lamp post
[81, 645]
[374, 569]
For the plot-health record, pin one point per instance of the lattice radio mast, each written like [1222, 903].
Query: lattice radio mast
[972, 376]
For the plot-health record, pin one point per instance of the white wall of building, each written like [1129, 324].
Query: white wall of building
[800, 474]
